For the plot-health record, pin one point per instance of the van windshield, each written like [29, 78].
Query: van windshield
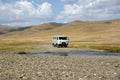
[63, 38]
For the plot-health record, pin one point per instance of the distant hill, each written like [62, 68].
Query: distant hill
[4, 29]
[80, 32]
[46, 26]
[7, 29]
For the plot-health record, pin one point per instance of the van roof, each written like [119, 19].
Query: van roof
[59, 36]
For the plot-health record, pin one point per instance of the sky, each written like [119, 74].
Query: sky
[34, 12]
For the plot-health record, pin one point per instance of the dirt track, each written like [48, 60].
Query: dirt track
[50, 48]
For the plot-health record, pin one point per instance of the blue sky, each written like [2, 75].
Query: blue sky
[33, 12]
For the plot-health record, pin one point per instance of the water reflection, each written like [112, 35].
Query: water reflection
[80, 53]
[93, 53]
[61, 53]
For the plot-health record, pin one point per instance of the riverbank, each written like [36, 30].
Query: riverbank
[15, 66]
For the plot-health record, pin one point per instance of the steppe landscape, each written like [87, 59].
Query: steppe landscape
[17, 46]
[79, 33]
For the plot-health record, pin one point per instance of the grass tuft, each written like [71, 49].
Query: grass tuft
[15, 47]
[106, 48]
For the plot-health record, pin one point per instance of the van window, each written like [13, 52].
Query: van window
[63, 38]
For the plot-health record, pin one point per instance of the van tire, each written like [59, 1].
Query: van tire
[53, 45]
[58, 46]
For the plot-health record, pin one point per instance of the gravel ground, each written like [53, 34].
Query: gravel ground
[27, 67]
[14, 66]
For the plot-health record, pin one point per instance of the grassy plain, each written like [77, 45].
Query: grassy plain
[96, 34]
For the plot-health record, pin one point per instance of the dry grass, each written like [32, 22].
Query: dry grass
[79, 33]
[107, 48]
[15, 46]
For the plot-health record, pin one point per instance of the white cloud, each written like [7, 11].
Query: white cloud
[69, 1]
[90, 9]
[72, 11]
[24, 11]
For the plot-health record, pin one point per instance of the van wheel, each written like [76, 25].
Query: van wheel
[58, 46]
[65, 45]
[53, 45]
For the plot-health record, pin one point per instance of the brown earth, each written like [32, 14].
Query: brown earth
[15, 66]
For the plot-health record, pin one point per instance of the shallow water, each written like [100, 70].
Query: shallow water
[80, 53]
[93, 53]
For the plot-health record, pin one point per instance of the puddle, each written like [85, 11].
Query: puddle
[50, 54]
[80, 53]
[93, 53]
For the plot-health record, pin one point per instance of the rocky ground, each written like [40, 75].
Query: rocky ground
[14, 66]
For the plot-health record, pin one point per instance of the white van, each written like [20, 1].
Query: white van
[60, 41]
